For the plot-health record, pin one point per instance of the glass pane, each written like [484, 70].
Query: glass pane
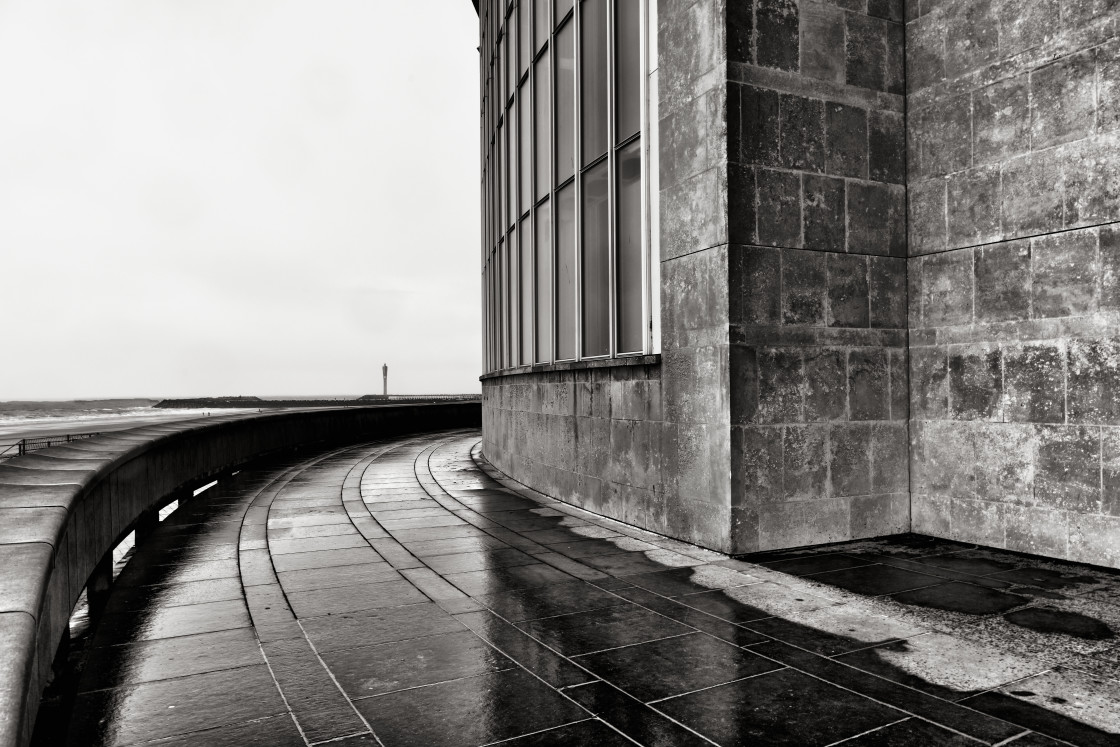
[566, 273]
[628, 251]
[526, 266]
[511, 165]
[511, 53]
[514, 305]
[593, 79]
[500, 73]
[596, 262]
[544, 283]
[565, 103]
[542, 124]
[563, 7]
[628, 69]
[540, 23]
[525, 43]
[503, 305]
[500, 151]
[523, 102]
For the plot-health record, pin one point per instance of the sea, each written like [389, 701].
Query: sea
[37, 419]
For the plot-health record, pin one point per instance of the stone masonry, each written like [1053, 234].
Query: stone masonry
[890, 284]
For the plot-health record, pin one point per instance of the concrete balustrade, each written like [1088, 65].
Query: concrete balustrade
[64, 509]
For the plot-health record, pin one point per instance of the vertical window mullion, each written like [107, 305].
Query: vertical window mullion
[577, 188]
[612, 208]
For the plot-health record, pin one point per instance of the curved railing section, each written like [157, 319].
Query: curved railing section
[63, 509]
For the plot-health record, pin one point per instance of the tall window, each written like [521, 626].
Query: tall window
[565, 236]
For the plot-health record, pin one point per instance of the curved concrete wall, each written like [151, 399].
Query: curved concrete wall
[64, 508]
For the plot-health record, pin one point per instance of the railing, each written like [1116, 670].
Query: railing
[24, 445]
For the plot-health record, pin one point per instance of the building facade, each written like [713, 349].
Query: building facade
[768, 273]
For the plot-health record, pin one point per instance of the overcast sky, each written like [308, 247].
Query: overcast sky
[221, 197]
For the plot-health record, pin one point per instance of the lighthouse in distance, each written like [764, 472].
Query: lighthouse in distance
[385, 380]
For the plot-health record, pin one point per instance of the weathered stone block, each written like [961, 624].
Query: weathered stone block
[1001, 120]
[890, 469]
[887, 288]
[1024, 24]
[887, 146]
[826, 395]
[982, 522]
[900, 383]
[1092, 539]
[973, 206]
[925, 51]
[779, 208]
[850, 463]
[846, 150]
[1093, 393]
[947, 289]
[869, 216]
[690, 138]
[1034, 378]
[1109, 238]
[866, 52]
[972, 39]
[799, 523]
[693, 214]
[1108, 86]
[801, 124]
[777, 39]
[868, 387]
[1065, 271]
[929, 514]
[1063, 100]
[804, 462]
[742, 205]
[1068, 471]
[847, 291]
[944, 133]
[760, 123]
[740, 32]
[1110, 471]
[1038, 531]
[879, 515]
[691, 46]
[822, 42]
[1031, 194]
[927, 229]
[804, 287]
[781, 385]
[823, 213]
[1092, 180]
[1003, 282]
[896, 59]
[975, 382]
[761, 285]
[744, 383]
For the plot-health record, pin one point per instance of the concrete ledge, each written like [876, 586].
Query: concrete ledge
[64, 508]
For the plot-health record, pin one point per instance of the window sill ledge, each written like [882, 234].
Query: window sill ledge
[634, 360]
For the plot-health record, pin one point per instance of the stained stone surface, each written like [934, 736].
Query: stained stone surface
[907, 640]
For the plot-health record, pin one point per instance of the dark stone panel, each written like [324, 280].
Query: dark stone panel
[846, 152]
[801, 124]
[847, 291]
[896, 59]
[900, 384]
[1093, 393]
[890, 467]
[761, 284]
[760, 126]
[947, 289]
[762, 463]
[973, 206]
[734, 109]
[1065, 274]
[944, 134]
[826, 376]
[1091, 174]
[1108, 86]
[742, 206]
[823, 206]
[925, 49]
[866, 52]
[1063, 100]
[887, 147]
[850, 463]
[780, 386]
[975, 382]
[804, 287]
[1025, 24]
[778, 33]
[1068, 470]
[1001, 120]
[887, 292]
[804, 462]
[868, 393]
[779, 208]
[744, 383]
[888, 9]
[1033, 376]
[927, 230]
[822, 42]
[1110, 266]
[740, 32]
[1003, 282]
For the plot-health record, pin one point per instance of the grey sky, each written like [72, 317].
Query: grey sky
[206, 197]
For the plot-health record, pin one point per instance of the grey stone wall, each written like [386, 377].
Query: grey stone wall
[1014, 178]
[592, 437]
[816, 149]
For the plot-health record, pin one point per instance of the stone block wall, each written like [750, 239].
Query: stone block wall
[817, 217]
[593, 437]
[1014, 181]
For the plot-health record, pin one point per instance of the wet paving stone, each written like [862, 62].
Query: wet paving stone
[167, 622]
[477, 561]
[632, 717]
[651, 671]
[346, 575]
[332, 632]
[1045, 620]
[1045, 578]
[875, 580]
[388, 667]
[471, 711]
[761, 710]
[273, 731]
[583, 732]
[961, 597]
[542, 661]
[494, 580]
[549, 601]
[912, 731]
[596, 630]
[332, 601]
[810, 564]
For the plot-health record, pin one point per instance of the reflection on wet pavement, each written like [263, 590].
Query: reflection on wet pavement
[405, 593]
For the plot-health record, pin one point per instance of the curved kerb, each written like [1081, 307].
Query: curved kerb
[63, 509]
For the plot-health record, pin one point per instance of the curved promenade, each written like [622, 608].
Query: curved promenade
[63, 510]
[402, 592]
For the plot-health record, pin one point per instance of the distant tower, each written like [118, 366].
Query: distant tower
[384, 379]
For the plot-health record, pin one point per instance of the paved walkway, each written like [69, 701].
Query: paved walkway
[402, 594]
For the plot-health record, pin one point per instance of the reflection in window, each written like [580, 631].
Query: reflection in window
[628, 69]
[593, 79]
[595, 269]
[526, 266]
[544, 282]
[565, 103]
[566, 273]
[631, 281]
[542, 125]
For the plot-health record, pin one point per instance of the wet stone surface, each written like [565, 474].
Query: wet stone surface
[406, 593]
